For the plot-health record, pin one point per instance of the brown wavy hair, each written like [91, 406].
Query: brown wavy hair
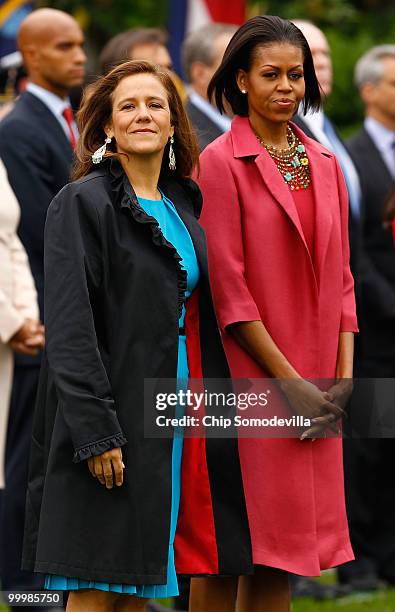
[96, 111]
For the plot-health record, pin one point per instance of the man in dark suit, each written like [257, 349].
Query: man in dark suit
[369, 470]
[36, 145]
[202, 53]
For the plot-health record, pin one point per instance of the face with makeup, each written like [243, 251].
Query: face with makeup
[274, 83]
[141, 119]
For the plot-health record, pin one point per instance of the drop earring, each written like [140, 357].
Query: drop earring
[243, 91]
[172, 157]
[98, 155]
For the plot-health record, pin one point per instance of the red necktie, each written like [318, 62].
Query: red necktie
[68, 115]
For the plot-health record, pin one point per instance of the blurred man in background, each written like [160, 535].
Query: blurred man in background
[37, 139]
[139, 43]
[202, 53]
[321, 128]
[369, 473]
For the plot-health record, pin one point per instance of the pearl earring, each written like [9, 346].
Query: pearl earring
[243, 91]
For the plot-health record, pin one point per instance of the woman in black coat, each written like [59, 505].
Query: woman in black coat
[120, 307]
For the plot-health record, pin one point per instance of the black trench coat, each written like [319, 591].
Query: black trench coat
[114, 292]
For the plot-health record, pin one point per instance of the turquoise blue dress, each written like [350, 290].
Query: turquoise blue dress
[177, 234]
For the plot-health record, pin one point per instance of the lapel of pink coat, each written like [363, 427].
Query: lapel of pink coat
[246, 144]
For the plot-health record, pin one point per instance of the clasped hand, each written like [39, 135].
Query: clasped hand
[323, 408]
[29, 338]
[108, 468]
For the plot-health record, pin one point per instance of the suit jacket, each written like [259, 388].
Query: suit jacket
[377, 269]
[114, 292]
[38, 157]
[206, 129]
[18, 297]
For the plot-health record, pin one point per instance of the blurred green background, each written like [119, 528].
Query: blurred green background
[352, 26]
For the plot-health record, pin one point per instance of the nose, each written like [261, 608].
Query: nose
[80, 56]
[284, 83]
[143, 113]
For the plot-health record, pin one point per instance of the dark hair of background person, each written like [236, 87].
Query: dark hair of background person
[255, 33]
[96, 111]
[120, 47]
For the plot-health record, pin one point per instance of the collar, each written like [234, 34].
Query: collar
[55, 104]
[382, 137]
[222, 121]
[245, 143]
[175, 189]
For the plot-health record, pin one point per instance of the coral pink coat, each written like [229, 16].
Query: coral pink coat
[261, 269]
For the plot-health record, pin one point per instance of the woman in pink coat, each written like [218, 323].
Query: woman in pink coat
[275, 214]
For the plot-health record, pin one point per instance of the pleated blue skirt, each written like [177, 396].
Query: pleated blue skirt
[170, 589]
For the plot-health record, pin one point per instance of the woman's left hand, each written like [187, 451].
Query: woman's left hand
[339, 394]
[108, 467]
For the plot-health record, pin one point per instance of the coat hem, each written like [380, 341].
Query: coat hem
[74, 571]
[309, 568]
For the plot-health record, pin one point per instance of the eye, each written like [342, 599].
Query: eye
[269, 75]
[296, 75]
[156, 105]
[127, 106]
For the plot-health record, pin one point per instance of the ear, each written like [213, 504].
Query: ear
[241, 79]
[30, 57]
[367, 92]
[108, 130]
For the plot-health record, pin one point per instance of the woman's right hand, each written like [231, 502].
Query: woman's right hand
[29, 338]
[309, 401]
[108, 468]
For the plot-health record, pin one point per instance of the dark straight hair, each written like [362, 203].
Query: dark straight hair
[258, 32]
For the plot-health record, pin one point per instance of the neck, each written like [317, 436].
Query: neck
[274, 134]
[57, 90]
[201, 91]
[388, 122]
[143, 173]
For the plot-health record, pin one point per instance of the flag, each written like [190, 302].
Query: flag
[12, 12]
[188, 15]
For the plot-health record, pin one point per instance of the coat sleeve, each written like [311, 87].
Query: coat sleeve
[10, 319]
[25, 290]
[73, 271]
[221, 219]
[348, 321]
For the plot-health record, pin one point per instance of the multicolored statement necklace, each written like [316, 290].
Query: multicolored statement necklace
[292, 162]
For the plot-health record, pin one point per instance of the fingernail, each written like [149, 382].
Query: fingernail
[123, 465]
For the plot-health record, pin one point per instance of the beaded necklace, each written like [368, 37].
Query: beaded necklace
[292, 162]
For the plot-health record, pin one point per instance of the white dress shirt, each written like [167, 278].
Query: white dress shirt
[55, 104]
[315, 122]
[384, 140]
[222, 121]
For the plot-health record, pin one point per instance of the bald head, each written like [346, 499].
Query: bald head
[320, 52]
[51, 43]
